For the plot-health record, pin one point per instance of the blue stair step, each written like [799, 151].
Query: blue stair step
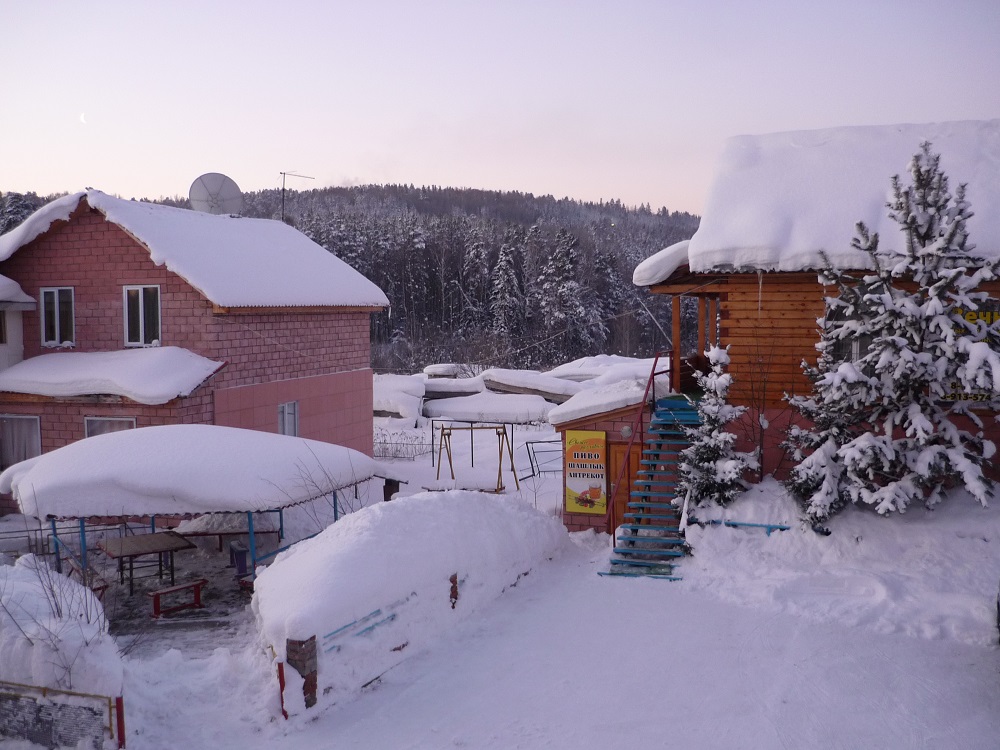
[656, 506]
[669, 541]
[649, 552]
[649, 527]
[624, 574]
[650, 493]
[650, 517]
[663, 566]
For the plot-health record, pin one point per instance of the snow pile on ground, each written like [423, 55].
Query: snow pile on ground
[530, 381]
[927, 574]
[490, 407]
[398, 395]
[598, 400]
[153, 375]
[178, 469]
[53, 632]
[377, 586]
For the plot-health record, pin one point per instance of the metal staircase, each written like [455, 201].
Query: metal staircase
[650, 542]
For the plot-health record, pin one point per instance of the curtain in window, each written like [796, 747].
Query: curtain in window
[19, 439]
[98, 426]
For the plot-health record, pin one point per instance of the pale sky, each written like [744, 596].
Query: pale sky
[626, 99]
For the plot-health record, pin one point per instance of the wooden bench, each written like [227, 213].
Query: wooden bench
[195, 603]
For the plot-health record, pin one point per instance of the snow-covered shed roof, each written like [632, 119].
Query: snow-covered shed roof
[13, 297]
[778, 200]
[233, 261]
[148, 376]
[181, 469]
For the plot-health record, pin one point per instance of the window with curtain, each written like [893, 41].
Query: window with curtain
[142, 315]
[102, 425]
[288, 418]
[20, 439]
[58, 328]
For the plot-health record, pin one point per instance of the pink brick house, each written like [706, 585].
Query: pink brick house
[119, 314]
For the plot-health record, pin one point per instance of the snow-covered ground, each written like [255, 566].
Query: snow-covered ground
[881, 635]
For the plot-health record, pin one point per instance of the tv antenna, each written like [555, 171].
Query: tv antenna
[214, 193]
[283, 176]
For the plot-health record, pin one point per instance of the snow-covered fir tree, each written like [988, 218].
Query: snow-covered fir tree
[711, 470]
[565, 307]
[889, 423]
[506, 298]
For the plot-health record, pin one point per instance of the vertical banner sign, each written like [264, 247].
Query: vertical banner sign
[586, 472]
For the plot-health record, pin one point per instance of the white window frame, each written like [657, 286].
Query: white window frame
[38, 433]
[140, 288]
[288, 418]
[88, 421]
[60, 339]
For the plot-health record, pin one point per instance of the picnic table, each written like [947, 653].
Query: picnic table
[161, 543]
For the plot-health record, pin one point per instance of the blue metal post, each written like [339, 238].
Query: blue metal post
[83, 545]
[336, 510]
[281, 524]
[152, 524]
[55, 541]
[253, 546]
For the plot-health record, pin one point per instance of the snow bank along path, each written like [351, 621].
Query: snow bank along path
[377, 586]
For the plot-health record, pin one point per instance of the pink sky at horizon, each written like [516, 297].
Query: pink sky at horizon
[630, 100]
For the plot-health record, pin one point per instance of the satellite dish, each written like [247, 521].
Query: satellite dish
[214, 193]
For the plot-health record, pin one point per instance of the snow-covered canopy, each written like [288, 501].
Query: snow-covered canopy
[232, 261]
[150, 376]
[490, 407]
[179, 469]
[530, 381]
[779, 200]
[603, 369]
[11, 295]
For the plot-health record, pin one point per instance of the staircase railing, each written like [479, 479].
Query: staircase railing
[637, 430]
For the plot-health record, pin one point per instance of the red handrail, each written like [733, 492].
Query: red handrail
[636, 430]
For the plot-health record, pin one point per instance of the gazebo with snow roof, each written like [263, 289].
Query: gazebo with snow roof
[777, 204]
[183, 470]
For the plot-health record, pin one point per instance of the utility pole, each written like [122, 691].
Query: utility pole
[283, 176]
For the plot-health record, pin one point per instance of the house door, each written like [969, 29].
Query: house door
[616, 452]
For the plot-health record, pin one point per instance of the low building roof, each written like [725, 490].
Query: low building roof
[780, 200]
[233, 261]
[149, 376]
[182, 469]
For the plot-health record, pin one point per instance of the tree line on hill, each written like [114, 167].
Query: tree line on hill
[485, 277]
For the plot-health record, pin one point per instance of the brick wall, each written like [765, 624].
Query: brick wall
[336, 408]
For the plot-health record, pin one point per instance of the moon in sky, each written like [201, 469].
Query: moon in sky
[83, 119]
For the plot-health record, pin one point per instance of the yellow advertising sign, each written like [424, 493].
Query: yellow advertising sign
[586, 472]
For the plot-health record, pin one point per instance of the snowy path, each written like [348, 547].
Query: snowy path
[549, 665]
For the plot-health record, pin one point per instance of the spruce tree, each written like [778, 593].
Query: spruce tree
[711, 470]
[889, 429]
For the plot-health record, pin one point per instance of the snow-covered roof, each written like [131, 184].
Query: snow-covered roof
[779, 200]
[178, 469]
[148, 376]
[599, 400]
[232, 261]
[548, 387]
[490, 407]
[11, 292]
